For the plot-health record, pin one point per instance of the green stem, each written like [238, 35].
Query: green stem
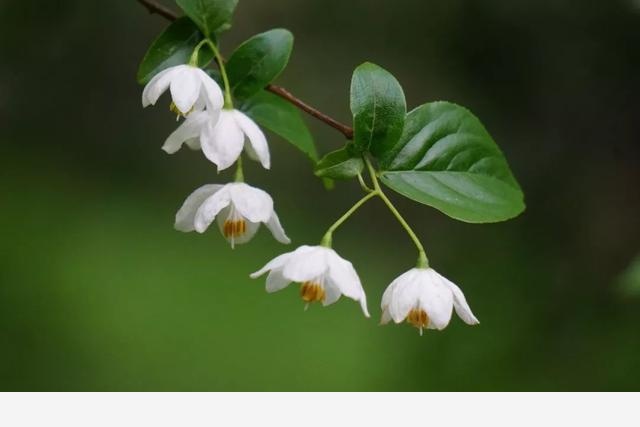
[423, 261]
[228, 101]
[327, 239]
[239, 172]
[193, 61]
[364, 185]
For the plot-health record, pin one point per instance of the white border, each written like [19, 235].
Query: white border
[317, 409]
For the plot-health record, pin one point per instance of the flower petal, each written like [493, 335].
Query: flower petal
[342, 273]
[276, 229]
[306, 263]
[189, 130]
[436, 299]
[185, 88]
[460, 304]
[386, 317]
[345, 277]
[276, 281]
[201, 103]
[386, 296]
[158, 85]
[258, 149]
[210, 90]
[332, 288]
[185, 217]
[405, 294]
[210, 208]
[331, 293]
[193, 144]
[222, 143]
[386, 301]
[252, 203]
[275, 264]
[363, 305]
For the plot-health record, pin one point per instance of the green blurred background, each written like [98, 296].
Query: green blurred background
[98, 292]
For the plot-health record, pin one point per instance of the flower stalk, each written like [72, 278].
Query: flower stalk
[423, 261]
[228, 101]
[328, 236]
[239, 176]
[194, 60]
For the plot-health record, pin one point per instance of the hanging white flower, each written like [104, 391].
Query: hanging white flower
[191, 90]
[425, 299]
[222, 142]
[323, 274]
[221, 138]
[238, 207]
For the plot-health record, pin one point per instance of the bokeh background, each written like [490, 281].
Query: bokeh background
[98, 292]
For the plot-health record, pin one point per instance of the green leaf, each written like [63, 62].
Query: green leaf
[210, 16]
[379, 108]
[173, 46]
[282, 118]
[446, 159]
[339, 164]
[258, 61]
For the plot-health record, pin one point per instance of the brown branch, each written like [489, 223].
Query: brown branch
[285, 94]
[159, 9]
[156, 8]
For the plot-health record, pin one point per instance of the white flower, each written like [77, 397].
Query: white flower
[222, 142]
[238, 207]
[221, 138]
[191, 90]
[324, 276]
[425, 299]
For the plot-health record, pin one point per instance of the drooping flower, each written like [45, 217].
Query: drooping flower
[425, 299]
[191, 90]
[221, 139]
[222, 142]
[323, 274]
[238, 208]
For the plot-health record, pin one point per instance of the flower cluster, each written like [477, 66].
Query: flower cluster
[421, 296]
[221, 132]
[210, 125]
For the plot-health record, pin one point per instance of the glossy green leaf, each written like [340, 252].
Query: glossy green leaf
[258, 61]
[339, 164]
[173, 47]
[379, 108]
[282, 118]
[446, 159]
[210, 16]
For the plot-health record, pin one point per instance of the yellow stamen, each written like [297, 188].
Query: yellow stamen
[312, 292]
[234, 228]
[174, 109]
[418, 318]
